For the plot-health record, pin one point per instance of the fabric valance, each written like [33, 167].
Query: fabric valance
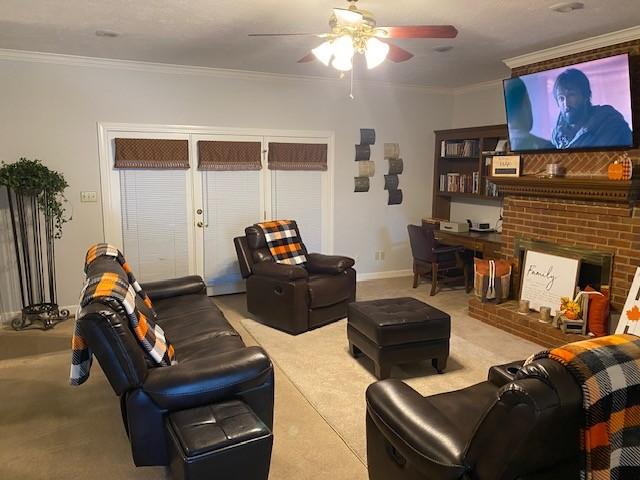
[214, 155]
[151, 153]
[297, 156]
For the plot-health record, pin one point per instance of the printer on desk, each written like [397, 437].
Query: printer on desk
[480, 227]
[456, 227]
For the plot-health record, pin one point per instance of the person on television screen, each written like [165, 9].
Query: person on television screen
[521, 118]
[581, 124]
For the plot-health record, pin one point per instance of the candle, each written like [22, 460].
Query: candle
[523, 307]
[545, 314]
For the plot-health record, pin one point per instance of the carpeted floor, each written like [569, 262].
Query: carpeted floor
[320, 366]
[49, 430]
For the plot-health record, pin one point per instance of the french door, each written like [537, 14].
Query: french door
[233, 200]
[171, 223]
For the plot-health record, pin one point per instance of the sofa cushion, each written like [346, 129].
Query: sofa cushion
[196, 326]
[326, 290]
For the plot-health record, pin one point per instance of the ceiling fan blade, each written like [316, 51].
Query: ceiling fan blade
[346, 16]
[321, 35]
[309, 57]
[418, 31]
[397, 54]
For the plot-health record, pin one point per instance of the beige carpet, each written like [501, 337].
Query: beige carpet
[319, 364]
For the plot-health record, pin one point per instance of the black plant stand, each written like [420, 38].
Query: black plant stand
[33, 236]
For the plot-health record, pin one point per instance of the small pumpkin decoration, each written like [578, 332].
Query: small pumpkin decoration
[615, 170]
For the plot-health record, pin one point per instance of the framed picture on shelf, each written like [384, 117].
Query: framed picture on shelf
[505, 166]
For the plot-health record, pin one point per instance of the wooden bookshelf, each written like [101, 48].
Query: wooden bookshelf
[459, 153]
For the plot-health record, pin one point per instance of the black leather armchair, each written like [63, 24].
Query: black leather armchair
[294, 298]
[522, 427]
[214, 365]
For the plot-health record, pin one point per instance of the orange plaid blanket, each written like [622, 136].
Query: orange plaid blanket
[121, 293]
[608, 371]
[283, 241]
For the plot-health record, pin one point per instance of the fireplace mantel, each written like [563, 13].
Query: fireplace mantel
[575, 188]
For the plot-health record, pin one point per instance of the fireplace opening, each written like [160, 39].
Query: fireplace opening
[595, 265]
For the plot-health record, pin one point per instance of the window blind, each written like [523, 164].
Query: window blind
[154, 223]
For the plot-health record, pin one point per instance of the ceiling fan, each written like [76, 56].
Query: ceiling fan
[355, 31]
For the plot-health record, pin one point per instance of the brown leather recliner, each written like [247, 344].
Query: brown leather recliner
[516, 426]
[294, 298]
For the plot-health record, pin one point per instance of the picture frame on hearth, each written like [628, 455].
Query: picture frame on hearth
[546, 278]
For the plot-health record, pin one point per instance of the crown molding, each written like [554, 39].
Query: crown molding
[168, 68]
[476, 87]
[606, 40]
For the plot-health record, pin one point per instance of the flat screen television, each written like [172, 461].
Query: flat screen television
[581, 106]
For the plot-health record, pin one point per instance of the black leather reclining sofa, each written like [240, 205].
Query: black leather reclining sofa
[214, 365]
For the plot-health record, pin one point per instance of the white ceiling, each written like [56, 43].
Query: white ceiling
[213, 33]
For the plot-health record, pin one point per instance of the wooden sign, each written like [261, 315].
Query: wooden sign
[546, 278]
[630, 317]
[505, 166]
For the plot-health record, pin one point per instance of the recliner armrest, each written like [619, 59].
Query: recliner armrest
[193, 284]
[500, 375]
[415, 428]
[280, 271]
[332, 264]
[207, 380]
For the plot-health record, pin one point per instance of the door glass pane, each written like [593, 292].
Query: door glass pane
[154, 223]
[232, 203]
[297, 195]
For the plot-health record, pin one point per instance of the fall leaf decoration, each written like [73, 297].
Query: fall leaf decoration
[634, 314]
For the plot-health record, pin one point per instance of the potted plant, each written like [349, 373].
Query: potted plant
[37, 208]
[31, 178]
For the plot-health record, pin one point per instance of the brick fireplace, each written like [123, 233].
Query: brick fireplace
[584, 210]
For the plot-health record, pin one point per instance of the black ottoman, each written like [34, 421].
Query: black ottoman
[398, 330]
[222, 441]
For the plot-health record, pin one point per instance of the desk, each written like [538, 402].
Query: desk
[488, 244]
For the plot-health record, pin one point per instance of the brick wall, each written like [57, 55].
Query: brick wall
[587, 163]
[606, 227]
[610, 228]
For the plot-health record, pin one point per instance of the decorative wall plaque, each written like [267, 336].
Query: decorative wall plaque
[363, 152]
[391, 150]
[396, 166]
[361, 184]
[391, 182]
[395, 197]
[366, 168]
[367, 136]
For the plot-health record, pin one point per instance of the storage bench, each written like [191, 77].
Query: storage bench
[222, 441]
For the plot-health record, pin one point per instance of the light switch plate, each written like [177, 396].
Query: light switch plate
[88, 197]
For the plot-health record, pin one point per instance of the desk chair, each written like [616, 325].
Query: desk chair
[431, 258]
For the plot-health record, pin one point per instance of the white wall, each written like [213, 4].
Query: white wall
[50, 111]
[475, 106]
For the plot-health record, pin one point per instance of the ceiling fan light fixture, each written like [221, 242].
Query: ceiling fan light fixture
[345, 16]
[343, 47]
[324, 52]
[376, 52]
[344, 64]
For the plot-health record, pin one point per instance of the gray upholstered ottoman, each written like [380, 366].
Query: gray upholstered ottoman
[398, 330]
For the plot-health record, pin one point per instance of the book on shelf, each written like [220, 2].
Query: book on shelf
[460, 182]
[490, 189]
[459, 148]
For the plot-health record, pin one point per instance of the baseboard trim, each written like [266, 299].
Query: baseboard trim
[7, 317]
[363, 277]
